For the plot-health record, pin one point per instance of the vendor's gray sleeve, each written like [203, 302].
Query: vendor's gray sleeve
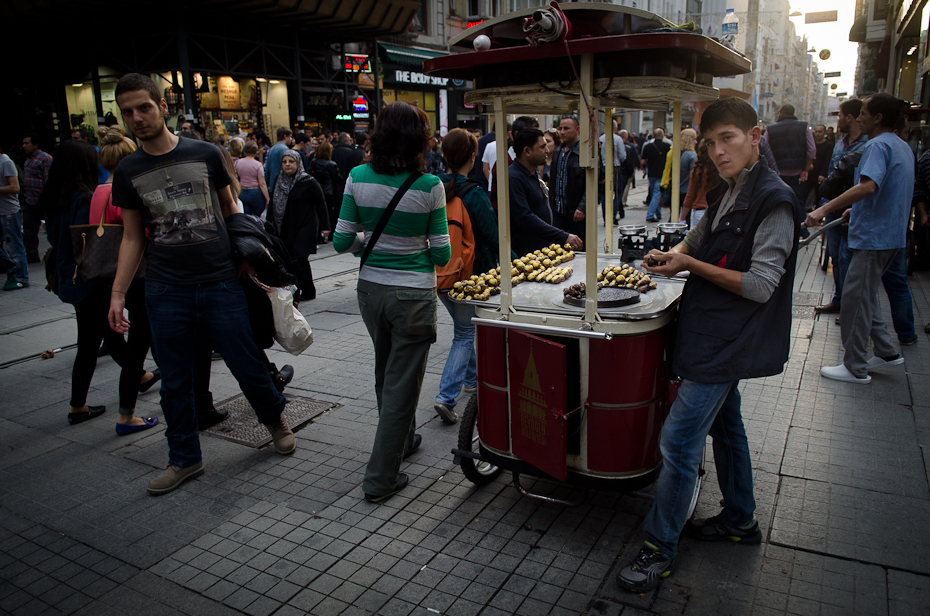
[770, 251]
[695, 235]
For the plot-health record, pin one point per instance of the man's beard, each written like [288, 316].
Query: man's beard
[156, 132]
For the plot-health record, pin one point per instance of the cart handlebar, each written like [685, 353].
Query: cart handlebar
[543, 329]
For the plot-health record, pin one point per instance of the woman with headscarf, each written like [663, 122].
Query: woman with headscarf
[298, 212]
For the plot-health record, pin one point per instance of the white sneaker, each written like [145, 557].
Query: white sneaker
[877, 363]
[842, 373]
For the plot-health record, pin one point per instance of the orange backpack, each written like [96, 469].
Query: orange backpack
[461, 240]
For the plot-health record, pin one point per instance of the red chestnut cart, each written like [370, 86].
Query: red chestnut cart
[577, 393]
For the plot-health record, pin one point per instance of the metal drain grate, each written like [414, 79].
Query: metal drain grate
[242, 426]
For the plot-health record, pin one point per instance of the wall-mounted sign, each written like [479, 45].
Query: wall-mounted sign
[360, 104]
[768, 94]
[357, 63]
[414, 77]
[833, 86]
[472, 24]
[824, 54]
[360, 116]
[832, 75]
[819, 17]
[343, 116]
[842, 93]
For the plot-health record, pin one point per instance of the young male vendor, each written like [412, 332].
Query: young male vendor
[735, 323]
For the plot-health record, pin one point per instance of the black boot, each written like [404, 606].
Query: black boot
[281, 377]
[207, 414]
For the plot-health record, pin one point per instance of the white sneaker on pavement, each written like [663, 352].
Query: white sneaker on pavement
[877, 363]
[842, 373]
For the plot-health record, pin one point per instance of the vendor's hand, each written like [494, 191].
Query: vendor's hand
[802, 176]
[325, 234]
[845, 216]
[579, 215]
[246, 268]
[666, 263]
[118, 321]
[575, 242]
[820, 179]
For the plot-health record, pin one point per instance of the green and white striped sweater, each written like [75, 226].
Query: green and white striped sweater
[416, 238]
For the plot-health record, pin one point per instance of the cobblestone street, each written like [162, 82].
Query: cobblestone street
[841, 476]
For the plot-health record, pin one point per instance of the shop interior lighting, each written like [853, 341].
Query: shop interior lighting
[911, 51]
[274, 81]
[260, 79]
[76, 85]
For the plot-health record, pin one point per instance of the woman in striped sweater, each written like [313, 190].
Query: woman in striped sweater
[397, 284]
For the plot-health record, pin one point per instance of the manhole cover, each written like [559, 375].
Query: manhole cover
[242, 426]
[803, 312]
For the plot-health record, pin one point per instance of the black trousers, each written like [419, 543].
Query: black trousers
[93, 327]
[566, 222]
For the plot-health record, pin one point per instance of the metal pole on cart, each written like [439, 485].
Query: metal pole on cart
[609, 187]
[676, 157]
[503, 203]
[588, 161]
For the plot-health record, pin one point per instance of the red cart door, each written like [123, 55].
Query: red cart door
[537, 402]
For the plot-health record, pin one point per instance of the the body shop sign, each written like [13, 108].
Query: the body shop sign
[414, 77]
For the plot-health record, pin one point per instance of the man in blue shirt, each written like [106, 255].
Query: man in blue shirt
[273, 158]
[881, 205]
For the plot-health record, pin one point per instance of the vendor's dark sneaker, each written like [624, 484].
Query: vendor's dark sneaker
[713, 529]
[173, 477]
[646, 571]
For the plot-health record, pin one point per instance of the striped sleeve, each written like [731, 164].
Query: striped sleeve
[439, 249]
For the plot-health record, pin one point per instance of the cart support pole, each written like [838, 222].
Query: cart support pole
[609, 187]
[676, 159]
[588, 154]
[503, 203]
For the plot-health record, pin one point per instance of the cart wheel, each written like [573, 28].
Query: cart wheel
[698, 484]
[476, 471]
[824, 254]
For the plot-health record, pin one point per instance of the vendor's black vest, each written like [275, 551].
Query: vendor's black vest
[788, 140]
[722, 336]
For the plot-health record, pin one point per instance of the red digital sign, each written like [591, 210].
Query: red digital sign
[472, 24]
[357, 63]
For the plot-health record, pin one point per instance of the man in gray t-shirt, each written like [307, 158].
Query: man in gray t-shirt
[13, 257]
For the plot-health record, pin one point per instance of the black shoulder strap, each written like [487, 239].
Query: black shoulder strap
[383, 221]
[463, 188]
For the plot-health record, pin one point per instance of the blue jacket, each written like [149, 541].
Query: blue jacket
[71, 289]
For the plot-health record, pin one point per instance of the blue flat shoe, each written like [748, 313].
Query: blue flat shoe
[124, 429]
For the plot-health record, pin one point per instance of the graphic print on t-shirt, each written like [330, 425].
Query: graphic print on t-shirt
[178, 197]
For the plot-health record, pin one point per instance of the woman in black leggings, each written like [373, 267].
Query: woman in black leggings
[65, 201]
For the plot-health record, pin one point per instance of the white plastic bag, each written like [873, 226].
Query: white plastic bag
[291, 329]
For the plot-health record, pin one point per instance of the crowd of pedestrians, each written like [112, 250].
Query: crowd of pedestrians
[185, 286]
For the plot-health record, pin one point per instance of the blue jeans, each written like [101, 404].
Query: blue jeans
[12, 228]
[221, 313]
[655, 201]
[253, 201]
[461, 365]
[700, 409]
[840, 267]
[899, 297]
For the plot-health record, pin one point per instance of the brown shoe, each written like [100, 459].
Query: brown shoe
[174, 477]
[830, 308]
[284, 441]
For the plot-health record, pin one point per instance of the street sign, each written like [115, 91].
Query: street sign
[824, 54]
[832, 75]
[833, 86]
[842, 93]
[819, 17]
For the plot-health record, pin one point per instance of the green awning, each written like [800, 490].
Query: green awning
[409, 55]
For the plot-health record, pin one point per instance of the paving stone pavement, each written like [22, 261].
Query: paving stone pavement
[840, 470]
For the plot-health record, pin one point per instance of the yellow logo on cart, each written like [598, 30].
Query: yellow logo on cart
[532, 406]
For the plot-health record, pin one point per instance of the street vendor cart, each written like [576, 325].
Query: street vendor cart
[575, 386]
